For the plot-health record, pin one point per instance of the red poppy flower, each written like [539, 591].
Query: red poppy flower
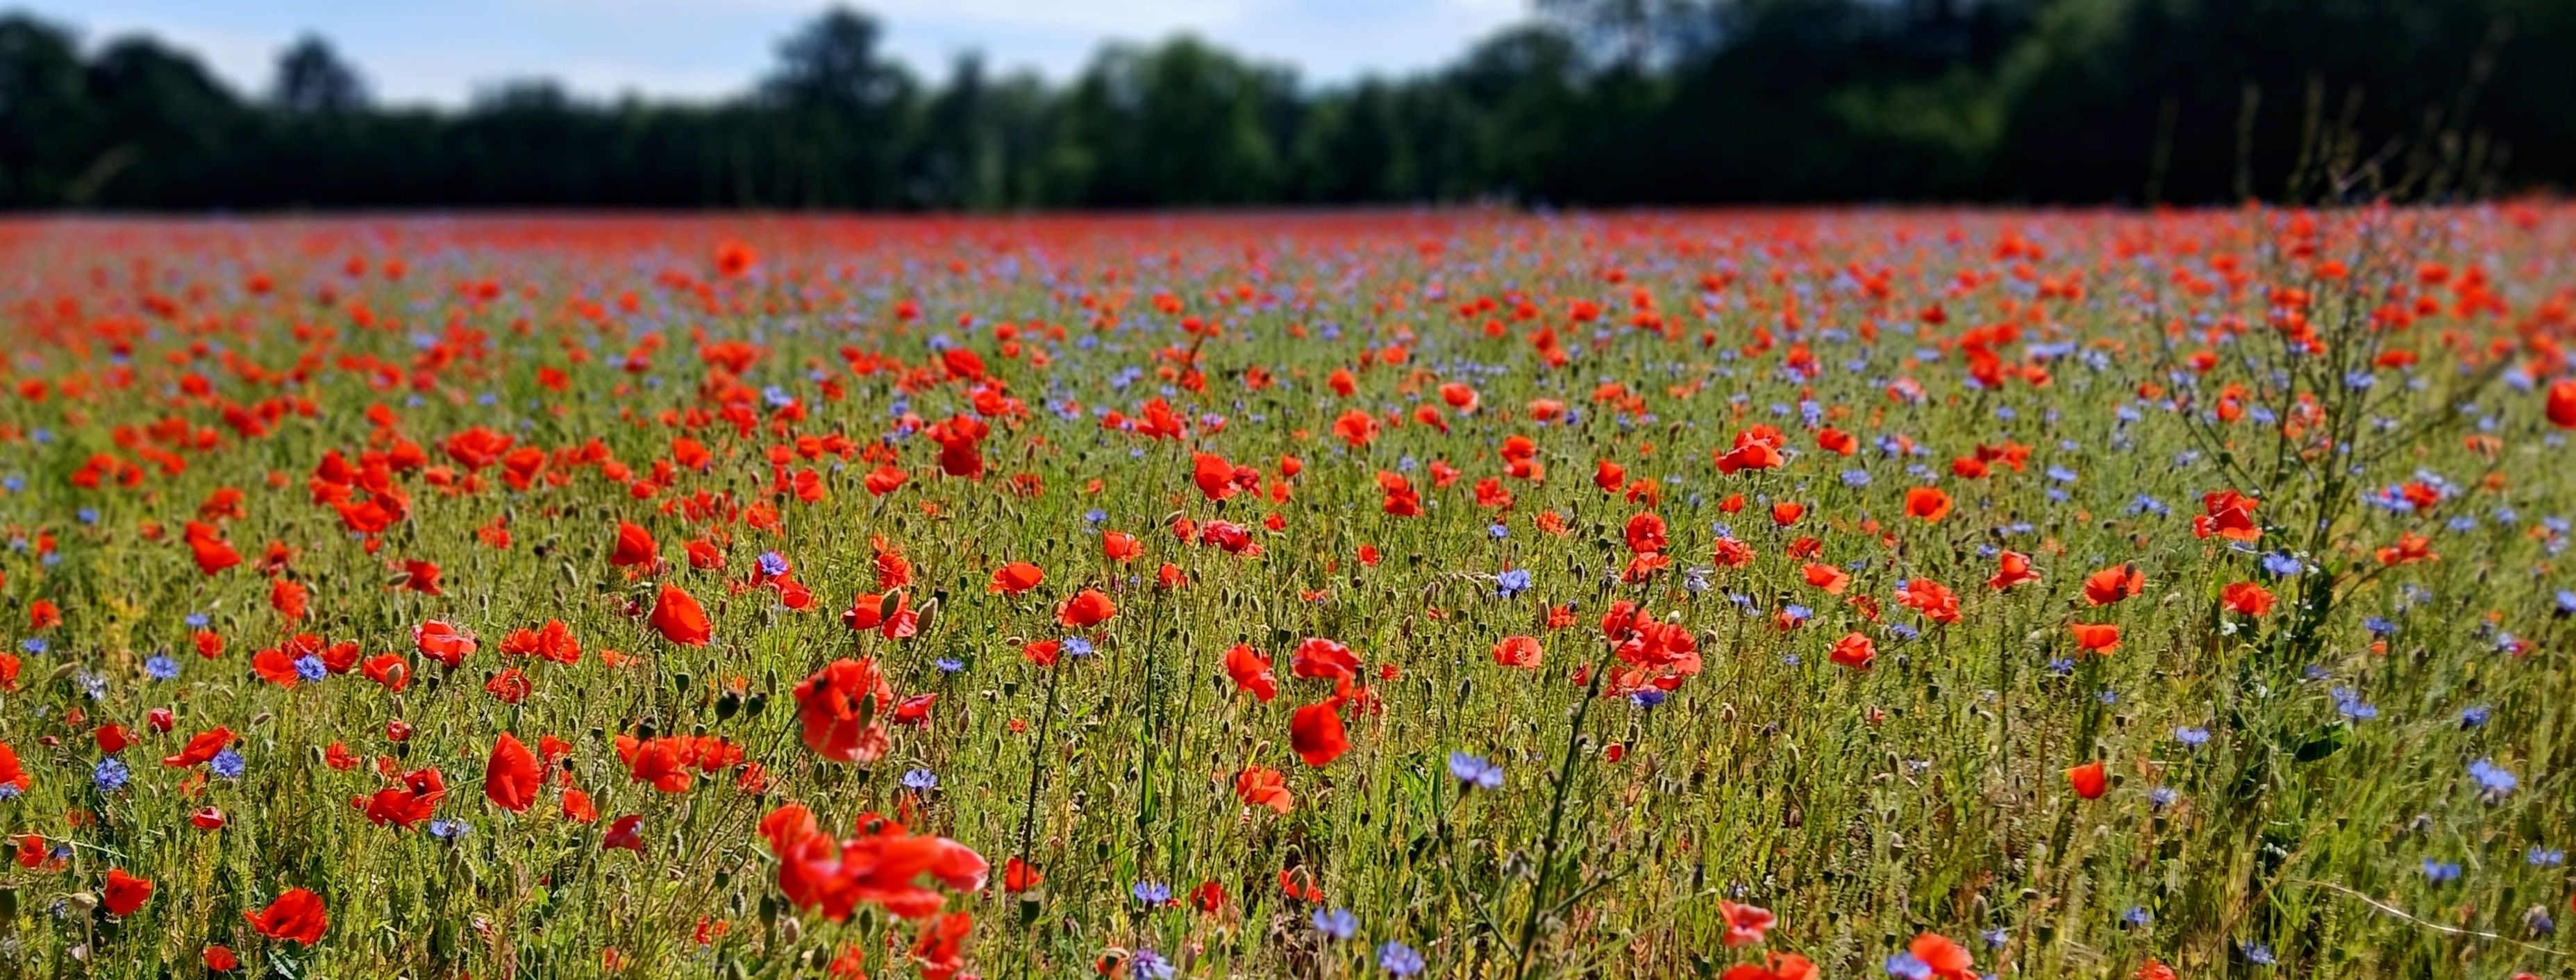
[1015, 578]
[1119, 546]
[442, 642]
[407, 804]
[633, 546]
[2088, 780]
[124, 892]
[624, 834]
[1019, 876]
[1948, 960]
[1317, 657]
[2227, 514]
[679, 618]
[298, 915]
[288, 597]
[2561, 406]
[2113, 584]
[838, 709]
[1250, 671]
[1315, 731]
[882, 866]
[512, 776]
[388, 670]
[1935, 601]
[1645, 532]
[1087, 608]
[940, 950]
[1524, 652]
[1928, 504]
[1854, 651]
[2011, 568]
[1827, 577]
[203, 748]
[2095, 637]
[1778, 966]
[1261, 787]
[2248, 598]
[1745, 924]
[578, 808]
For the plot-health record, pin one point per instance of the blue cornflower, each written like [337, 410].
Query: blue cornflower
[2137, 917]
[1796, 613]
[449, 829]
[1094, 516]
[311, 668]
[949, 665]
[2440, 872]
[1476, 772]
[2282, 564]
[1151, 892]
[1512, 582]
[2541, 857]
[1149, 965]
[91, 682]
[1903, 966]
[2475, 715]
[1646, 697]
[226, 763]
[1399, 959]
[2567, 602]
[2493, 783]
[1337, 924]
[2378, 626]
[920, 780]
[160, 667]
[110, 776]
[1903, 631]
[2192, 736]
[773, 564]
[33, 644]
[1075, 646]
[1996, 937]
[2061, 666]
[1497, 531]
[2149, 505]
[2258, 954]
[2162, 797]
[197, 621]
[1855, 478]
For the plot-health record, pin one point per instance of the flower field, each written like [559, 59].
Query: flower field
[1757, 595]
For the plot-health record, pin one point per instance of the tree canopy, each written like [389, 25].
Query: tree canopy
[1589, 102]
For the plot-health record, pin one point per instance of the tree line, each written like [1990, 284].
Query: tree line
[1588, 102]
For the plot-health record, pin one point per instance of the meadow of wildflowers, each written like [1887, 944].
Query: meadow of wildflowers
[1762, 595]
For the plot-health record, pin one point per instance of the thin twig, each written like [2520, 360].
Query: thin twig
[2435, 926]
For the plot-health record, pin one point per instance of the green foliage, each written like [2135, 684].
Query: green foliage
[1596, 102]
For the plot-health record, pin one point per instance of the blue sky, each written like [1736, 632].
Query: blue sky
[443, 51]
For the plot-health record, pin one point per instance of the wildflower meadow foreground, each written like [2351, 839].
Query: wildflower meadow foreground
[1762, 595]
